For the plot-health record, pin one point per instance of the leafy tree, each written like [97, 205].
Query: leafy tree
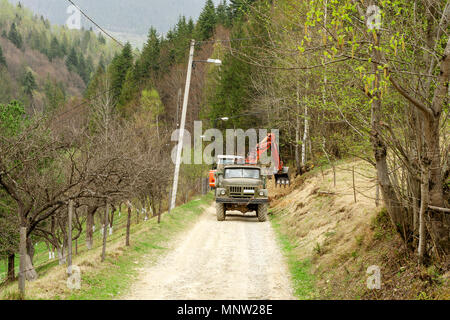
[119, 68]
[233, 93]
[14, 36]
[239, 7]
[55, 94]
[129, 90]
[72, 60]
[55, 49]
[207, 21]
[151, 101]
[95, 82]
[101, 39]
[29, 83]
[223, 16]
[11, 118]
[149, 62]
[82, 69]
[6, 86]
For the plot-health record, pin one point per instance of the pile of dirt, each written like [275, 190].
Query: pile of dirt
[343, 238]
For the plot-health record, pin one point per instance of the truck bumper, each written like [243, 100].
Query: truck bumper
[242, 201]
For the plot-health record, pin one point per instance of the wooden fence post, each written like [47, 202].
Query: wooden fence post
[127, 241]
[137, 215]
[334, 174]
[105, 230]
[69, 239]
[354, 187]
[23, 252]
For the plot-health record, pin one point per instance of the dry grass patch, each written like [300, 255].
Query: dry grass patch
[343, 238]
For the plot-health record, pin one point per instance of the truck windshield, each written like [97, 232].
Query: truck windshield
[241, 173]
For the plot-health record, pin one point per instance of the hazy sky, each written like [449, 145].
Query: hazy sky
[130, 16]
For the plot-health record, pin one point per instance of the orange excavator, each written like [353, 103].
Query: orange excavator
[280, 172]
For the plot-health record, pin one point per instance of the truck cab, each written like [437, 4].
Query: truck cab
[221, 161]
[241, 188]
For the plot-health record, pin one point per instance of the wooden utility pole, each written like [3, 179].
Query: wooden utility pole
[23, 252]
[182, 126]
[127, 240]
[69, 239]
[105, 230]
[178, 106]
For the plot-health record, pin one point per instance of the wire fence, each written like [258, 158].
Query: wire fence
[114, 234]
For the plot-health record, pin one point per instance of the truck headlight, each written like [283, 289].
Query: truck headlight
[222, 192]
[261, 193]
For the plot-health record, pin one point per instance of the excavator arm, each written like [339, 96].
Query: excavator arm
[270, 142]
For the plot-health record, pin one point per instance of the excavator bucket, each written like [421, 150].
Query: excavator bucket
[282, 178]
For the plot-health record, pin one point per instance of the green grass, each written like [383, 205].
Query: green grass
[302, 279]
[113, 277]
[114, 280]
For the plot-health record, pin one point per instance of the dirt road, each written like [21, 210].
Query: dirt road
[235, 259]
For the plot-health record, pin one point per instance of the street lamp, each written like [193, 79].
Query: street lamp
[176, 174]
[217, 62]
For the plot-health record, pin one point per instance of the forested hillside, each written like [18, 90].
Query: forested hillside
[43, 65]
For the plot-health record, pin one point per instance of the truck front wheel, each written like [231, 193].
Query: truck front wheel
[220, 211]
[262, 212]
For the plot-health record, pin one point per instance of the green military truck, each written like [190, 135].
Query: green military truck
[241, 188]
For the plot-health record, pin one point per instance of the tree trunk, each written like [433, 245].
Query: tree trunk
[90, 227]
[111, 221]
[297, 134]
[379, 146]
[439, 222]
[423, 208]
[159, 208]
[127, 240]
[105, 230]
[62, 257]
[305, 137]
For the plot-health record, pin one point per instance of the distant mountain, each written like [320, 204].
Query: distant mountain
[130, 16]
[44, 65]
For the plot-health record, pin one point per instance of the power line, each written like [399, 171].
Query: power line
[227, 40]
[98, 26]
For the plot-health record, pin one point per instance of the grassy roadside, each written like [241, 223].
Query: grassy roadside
[112, 278]
[303, 280]
[330, 241]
